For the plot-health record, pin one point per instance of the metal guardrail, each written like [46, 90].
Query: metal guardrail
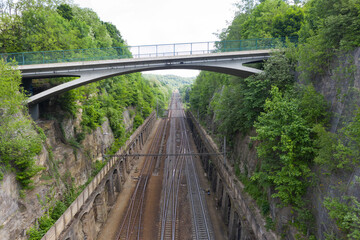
[143, 51]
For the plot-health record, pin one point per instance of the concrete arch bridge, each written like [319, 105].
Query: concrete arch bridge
[91, 65]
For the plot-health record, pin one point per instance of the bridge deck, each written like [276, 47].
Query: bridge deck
[35, 69]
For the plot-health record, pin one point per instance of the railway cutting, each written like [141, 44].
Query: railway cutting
[167, 201]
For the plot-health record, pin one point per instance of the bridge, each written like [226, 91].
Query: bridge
[91, 71]
[90, 65]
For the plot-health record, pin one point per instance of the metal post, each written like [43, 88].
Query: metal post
[138, 51]
[208, 47]
[174, 49]
[156, 50]
[190, 48]
[23, 62]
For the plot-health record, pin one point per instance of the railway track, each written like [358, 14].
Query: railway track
[178, 168]
[171, 181]
[175, 168]
[131, 225]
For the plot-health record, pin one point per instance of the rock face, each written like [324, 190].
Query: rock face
[341, 88]
[65, 161]
[245, 153]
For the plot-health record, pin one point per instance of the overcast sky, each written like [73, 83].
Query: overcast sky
[150, 22]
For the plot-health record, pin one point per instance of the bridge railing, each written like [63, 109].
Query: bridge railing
[143, 51]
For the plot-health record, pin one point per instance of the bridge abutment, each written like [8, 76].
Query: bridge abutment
[34, 111]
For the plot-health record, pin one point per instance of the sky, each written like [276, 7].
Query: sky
[150, 22]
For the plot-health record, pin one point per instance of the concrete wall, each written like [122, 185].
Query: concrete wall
[238, 210]
[91, 207]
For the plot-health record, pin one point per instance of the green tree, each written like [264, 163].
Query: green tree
[329, 26]
[65, 11]
[289, 23]
[239, 103]
[254, 20]
[286, 148]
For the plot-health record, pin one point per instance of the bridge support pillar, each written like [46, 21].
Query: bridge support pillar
[34, 111]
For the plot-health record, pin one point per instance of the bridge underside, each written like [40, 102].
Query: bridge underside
[89, 72]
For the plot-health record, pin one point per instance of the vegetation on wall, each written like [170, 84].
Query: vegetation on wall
[53, 209]
[29, 25]
[346, 212]
[291, 121]
[19, 141]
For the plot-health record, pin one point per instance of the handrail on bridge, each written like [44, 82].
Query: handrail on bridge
[143, 51]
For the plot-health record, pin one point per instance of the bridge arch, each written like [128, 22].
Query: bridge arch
[116, 182]
[87, 223]
[122, 170]
[99, 206]
[108, 193]
[89, 72]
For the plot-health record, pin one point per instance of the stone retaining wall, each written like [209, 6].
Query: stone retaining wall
[107, 183]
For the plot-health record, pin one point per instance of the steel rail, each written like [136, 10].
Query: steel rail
[171, 184]
[174, 170]
[200, 215]
[164, 154]
[134, 211]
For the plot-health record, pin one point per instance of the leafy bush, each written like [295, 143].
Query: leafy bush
[54, 209]
[45, 222]
[285, 148]
[257, 192]
[138, 120]
[19, 141]
[92, 116]
[339, 150]
[97, 166]
[346, 212]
